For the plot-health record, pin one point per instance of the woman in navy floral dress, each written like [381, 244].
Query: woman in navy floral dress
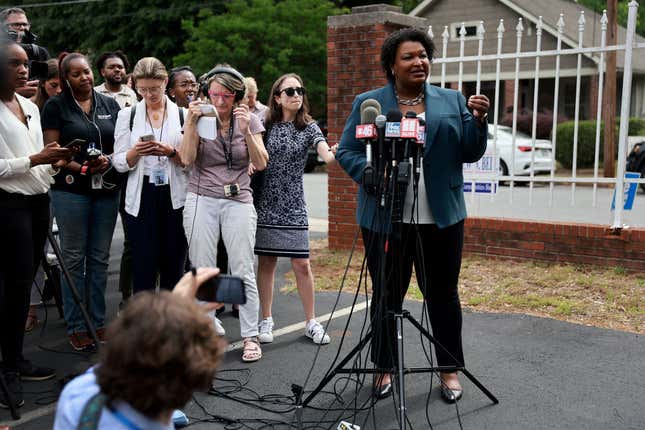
[283, 229]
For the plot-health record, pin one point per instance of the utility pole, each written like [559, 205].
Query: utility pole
[609, 98]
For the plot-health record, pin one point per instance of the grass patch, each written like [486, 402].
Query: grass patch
[601, 297]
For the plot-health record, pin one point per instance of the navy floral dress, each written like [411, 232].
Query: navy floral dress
[283, 227]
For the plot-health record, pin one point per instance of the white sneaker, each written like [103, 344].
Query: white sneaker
[219, 328]
[316, 332]
[266, 330]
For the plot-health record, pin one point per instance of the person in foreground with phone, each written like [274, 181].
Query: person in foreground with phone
[25, 177]
[162, 349]
[219, 195]
[147, 136]
[280, 200]
[85, 196]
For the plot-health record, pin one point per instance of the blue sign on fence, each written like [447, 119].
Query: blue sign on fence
[629, 191]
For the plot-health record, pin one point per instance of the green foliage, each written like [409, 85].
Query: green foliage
[622, 9]
[265, 39]
[587, 141]
[140, 28]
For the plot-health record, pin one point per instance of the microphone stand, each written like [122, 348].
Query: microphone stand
[391, 193]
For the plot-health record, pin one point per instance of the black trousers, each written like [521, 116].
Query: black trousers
[436, 255]
[157, 240]
[24, 222]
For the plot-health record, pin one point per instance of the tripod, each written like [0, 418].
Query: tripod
[392, 187]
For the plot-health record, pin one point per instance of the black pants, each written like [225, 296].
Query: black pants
[436, 255]
[157, 240]
[24, 222]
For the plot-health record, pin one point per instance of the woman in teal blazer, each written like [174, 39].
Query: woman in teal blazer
[431, 234]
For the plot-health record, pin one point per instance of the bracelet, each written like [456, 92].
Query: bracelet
[84, 170]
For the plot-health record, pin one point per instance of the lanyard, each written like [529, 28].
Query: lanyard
[152, 129]
[228, 150]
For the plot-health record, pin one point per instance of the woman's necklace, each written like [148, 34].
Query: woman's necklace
[411, 102]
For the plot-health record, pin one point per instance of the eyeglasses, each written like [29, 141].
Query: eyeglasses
[291, 91]
[225, 96]
[153, 91]
[191, 85]
[19, 25]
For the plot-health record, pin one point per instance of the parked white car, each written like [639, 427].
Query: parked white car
[523, 151]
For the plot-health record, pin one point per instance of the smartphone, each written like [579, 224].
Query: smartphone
[207, 110]
[76, 143]
[147, 138]
[223, 289]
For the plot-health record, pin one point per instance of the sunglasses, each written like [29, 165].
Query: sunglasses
[291, 91]
[225, 96]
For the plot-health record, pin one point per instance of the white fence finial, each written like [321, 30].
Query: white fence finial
[604, 20]
[519, 27]
[430, 33]
[581, 21]
[446, 34]
[500, 29]
[462, 31]
[481, 30]
[560, 23]
[538, 28]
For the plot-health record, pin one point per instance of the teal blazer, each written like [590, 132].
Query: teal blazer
[452, 138]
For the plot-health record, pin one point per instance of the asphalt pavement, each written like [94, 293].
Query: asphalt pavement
[547, 374]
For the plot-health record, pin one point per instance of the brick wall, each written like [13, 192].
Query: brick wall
[555, 242]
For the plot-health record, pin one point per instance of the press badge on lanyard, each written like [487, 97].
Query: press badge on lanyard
[159, 175]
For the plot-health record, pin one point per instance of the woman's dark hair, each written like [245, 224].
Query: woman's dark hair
[394, 40]
[63, 67]
[41, 93]
[161, 349]
[274, 114]
[173, 75]
[100, 62]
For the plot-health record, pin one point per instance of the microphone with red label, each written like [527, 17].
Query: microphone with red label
[366, 131]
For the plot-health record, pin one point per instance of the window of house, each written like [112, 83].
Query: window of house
[471, 30]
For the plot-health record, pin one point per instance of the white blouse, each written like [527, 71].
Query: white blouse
[17, 142]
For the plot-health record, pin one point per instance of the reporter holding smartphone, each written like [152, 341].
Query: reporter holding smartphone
[146, 137]
[85, 196]
[219, 199]
[25, 178]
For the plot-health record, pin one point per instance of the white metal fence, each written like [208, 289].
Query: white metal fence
[598, 52]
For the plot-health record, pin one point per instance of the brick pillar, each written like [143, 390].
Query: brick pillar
[353, 67]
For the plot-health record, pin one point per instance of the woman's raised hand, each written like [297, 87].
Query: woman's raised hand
[243, 116]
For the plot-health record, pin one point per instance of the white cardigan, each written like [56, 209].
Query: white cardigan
[17, 143]
[124, 140]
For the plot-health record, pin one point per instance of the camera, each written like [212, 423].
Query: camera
[37, 54]
[222, 289]
[231, 190]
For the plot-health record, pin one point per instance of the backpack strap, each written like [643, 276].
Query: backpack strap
[91, 414]
[133, 112]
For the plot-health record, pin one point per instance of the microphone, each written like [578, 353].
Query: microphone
[380, 131]
[393, 131]
[421, 138]
[409, 134]
[366, 131]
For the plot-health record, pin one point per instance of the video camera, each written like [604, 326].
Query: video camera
[37, 55]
